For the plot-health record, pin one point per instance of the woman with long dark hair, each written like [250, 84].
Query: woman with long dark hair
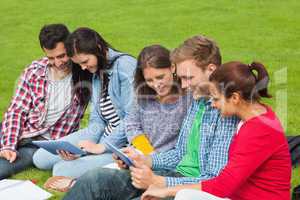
[111, 94]
[259, 165]
[160, 104]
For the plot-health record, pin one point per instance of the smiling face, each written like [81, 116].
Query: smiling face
[191, 75]
[86, 61]
[160, 80]
[226, 106]
[58, 57]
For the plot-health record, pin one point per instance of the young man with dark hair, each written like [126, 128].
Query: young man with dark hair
[201, 151]
[44, 106]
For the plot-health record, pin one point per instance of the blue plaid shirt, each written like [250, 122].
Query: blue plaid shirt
[215, 137]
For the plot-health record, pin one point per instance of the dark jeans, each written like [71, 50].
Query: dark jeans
[107, 184]
[24, 159]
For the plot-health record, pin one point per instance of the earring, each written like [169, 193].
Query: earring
[174, 75]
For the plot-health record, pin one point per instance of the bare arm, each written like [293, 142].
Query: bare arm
[155, 192]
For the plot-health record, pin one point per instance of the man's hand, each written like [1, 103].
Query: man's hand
[9, 155]
[91, 147]
[65, 155]
[142, 176]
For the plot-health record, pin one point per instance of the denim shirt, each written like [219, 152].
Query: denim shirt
[121, 92]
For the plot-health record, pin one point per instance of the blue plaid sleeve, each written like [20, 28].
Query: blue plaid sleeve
[215, 145]
[173, 181]
[216, 135]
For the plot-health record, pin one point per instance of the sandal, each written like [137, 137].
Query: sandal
[60, 183]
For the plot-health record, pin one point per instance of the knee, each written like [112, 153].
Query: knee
[42, 159]
[93, 176]
[57, 169]
[65, 168]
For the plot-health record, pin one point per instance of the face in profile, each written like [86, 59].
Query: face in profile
[226, 106]
[191, 76]
[58, 57]
[160, 80]
[86, 61]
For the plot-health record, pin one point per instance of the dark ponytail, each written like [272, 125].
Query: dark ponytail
[262, 78]
[238, 77]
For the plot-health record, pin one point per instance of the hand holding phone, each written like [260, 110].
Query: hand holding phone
[121, 155]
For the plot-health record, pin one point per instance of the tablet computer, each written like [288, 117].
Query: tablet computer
[53, 145]
[119, 153]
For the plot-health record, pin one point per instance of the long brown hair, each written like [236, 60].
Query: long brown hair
[155, 56]
[250, 81]
[88, 41]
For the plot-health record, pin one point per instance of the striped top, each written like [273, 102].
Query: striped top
[108, 112]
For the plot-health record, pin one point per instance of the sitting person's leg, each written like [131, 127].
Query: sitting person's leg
[76, 168]
[102, 183]
[23, 161]
[42, 159]
[169, 198]
[189, 194]
[106, 184]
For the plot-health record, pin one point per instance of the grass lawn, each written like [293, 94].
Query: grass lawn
[267, 31]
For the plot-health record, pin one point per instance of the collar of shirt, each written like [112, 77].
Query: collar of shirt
[41, 66]
[206, 101]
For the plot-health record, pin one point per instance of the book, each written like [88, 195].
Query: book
[142, 143]
[19, 189]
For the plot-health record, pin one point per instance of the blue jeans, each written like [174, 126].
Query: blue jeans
[76, 168]
[24, 159]
[107, 184]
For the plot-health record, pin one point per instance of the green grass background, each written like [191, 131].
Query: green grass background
[263, 30]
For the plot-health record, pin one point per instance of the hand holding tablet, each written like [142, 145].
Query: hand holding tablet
[119, 153]
[53, 146]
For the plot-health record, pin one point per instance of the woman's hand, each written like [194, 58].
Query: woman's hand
[65, 155]
[91, 147]
[130, 152]
[120, 163]
[134, 155]
[155, 193]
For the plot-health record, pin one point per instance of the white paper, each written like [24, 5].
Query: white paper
[17, 189]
